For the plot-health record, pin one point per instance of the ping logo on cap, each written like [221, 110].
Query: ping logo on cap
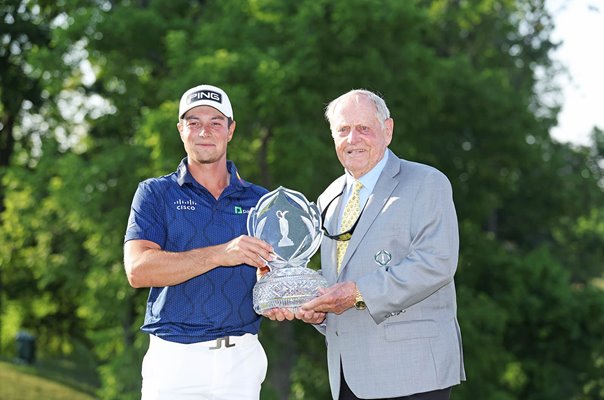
[204, 95]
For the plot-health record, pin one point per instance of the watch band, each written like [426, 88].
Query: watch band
[359, 302]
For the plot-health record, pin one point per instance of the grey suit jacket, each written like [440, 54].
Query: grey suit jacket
[408, 339]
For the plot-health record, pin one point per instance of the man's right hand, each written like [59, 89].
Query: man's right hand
[246, 250]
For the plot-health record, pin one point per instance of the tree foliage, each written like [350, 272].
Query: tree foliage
[89, 97]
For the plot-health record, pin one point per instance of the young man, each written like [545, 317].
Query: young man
[186, 241]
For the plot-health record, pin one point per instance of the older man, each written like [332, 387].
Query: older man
[390, 253]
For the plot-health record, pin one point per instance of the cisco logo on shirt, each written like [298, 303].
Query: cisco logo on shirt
[186, 205]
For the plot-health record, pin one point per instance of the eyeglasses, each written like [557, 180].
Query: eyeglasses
[344, 236]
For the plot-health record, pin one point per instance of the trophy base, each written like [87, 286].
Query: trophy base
[287, 287]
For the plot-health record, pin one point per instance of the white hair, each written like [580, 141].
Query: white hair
[381, 110]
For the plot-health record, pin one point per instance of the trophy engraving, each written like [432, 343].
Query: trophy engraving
[292, 225]
[284, 227]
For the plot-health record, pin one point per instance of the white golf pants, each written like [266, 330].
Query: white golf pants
[230, 368]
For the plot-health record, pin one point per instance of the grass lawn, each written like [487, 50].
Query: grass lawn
[49, 381]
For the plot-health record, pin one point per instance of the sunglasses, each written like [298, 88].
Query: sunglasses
[344, 236]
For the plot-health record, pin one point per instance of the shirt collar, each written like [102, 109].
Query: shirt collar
[370, 178]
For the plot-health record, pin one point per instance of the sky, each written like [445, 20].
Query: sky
[580, 25]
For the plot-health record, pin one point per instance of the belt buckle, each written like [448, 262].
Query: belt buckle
[220, 341]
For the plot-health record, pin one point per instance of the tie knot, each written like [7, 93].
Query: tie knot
[357, 186]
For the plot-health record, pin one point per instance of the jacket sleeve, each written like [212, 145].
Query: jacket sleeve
[431, 258]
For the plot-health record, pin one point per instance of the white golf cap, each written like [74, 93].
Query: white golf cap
[205, 95]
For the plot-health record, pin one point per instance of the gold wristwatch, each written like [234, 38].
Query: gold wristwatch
[359, 303]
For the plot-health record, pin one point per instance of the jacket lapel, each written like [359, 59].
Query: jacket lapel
[375, 203]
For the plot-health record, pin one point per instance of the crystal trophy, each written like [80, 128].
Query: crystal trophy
[291, 224]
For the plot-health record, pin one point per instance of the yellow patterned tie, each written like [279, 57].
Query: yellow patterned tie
[351, 213]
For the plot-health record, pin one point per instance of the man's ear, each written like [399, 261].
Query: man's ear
[389, 124]
[180, 127]
[231, 131]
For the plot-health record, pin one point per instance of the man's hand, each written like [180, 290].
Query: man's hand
[336, 299]
[246, 250]
[282, 314]
[279, 314]
[310, 316]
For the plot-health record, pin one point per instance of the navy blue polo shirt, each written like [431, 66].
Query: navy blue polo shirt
[179, 214]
